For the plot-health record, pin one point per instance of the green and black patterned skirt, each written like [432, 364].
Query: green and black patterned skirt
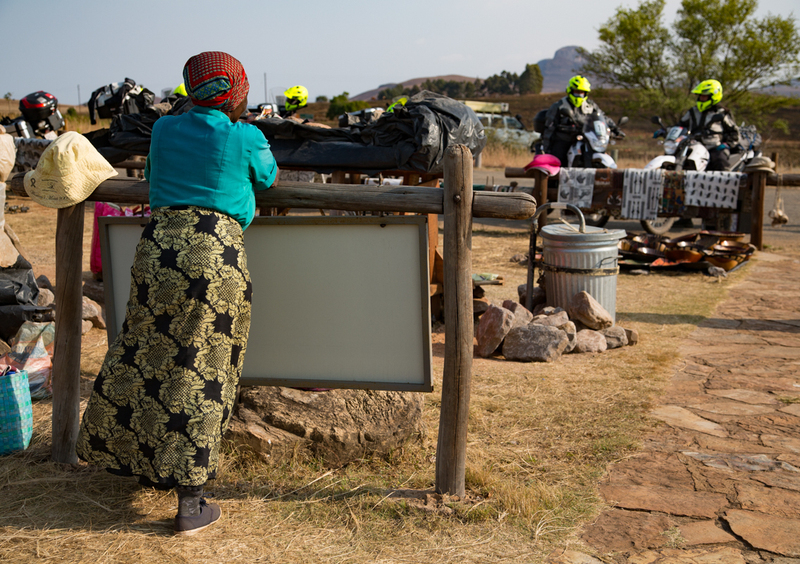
[166, 389]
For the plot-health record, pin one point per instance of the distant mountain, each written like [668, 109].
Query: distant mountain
[791, 90]
[373, 94]
[556, 73]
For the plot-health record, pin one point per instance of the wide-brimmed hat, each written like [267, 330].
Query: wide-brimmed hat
[68, 171]
[546, 163]
[760, 163]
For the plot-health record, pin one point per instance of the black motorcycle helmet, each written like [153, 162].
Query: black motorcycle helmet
[38, 106]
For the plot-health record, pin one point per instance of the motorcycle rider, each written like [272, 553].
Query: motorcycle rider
[721, 135]
[565, 119]
[296, 98]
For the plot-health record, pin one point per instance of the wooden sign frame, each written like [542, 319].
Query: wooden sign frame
[338, 302]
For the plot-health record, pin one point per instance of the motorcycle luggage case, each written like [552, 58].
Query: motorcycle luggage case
[38, 106]
[55, 121]
[21, 128]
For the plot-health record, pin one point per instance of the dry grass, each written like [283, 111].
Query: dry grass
[540, 436]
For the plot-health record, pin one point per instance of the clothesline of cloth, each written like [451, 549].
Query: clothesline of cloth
[648, 192]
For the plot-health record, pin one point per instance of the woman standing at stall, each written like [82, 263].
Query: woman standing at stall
[165, 392]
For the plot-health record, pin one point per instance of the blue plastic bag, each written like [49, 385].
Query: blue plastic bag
[16, 411]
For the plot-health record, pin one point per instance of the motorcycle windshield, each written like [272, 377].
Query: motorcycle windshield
[675, 133]
[674, 137]
[598, 136]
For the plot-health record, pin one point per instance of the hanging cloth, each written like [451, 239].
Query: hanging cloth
[641, 193]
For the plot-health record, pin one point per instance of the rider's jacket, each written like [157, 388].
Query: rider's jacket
[564, 121]
[715, 134]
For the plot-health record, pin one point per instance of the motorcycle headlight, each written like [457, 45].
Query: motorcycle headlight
[670, 147]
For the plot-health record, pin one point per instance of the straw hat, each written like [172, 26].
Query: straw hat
[760, 163]
[68, 171]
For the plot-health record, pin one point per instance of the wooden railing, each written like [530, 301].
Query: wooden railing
[455, 200]
[753, 197]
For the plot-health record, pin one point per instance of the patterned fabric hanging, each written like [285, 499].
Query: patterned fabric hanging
[641, 193]
[713, 189]
[576, 186]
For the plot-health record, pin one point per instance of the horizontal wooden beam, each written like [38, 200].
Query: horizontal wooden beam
[349, 197]
[789, 179]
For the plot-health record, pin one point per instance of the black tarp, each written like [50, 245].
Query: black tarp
[18, 298]
[413, 137]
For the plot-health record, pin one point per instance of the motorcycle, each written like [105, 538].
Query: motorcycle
[589, 147]
[40, 117]
[684, 150]
[589, 151]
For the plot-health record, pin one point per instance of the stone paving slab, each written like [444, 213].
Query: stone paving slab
[719, 482]
[704, 532]
[767, 532]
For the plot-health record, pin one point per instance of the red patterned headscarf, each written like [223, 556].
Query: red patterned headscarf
[215, 80]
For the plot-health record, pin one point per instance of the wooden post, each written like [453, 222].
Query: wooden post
[541, 177]
[451, 451]
[67, 345]
[757, 214]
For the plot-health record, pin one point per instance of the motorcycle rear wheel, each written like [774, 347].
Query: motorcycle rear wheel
[660, 226]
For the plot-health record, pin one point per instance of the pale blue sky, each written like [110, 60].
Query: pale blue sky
[328, 46]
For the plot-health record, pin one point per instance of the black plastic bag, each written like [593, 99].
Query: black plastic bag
[413, 137]
[18, 284]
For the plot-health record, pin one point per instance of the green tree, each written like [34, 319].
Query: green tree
[341, 105]
[531, 80]
[503, 83]
[719, 39]
[392, 92]
[321, 99]
[8, 96]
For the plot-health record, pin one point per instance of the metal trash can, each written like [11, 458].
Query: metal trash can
[574, 262]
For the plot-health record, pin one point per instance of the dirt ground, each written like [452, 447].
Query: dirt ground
[540, 438]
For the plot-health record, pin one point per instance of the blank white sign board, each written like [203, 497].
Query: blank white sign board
[339, 302]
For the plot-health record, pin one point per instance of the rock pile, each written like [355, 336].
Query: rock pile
[548, 332]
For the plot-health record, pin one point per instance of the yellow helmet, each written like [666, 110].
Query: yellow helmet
[180, 90]
[401, 101]
[710, 88]
[296, 97]
[577, 84]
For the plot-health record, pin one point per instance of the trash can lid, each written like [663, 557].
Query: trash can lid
[570, 232]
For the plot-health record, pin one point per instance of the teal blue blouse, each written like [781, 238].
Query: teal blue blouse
[201, 158]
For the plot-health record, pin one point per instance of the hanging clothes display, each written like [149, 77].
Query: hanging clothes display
[641, 193]
[713, 189]
[576, 186]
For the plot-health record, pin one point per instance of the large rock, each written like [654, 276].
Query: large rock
[553, 320]
[493, 327]
[521, 315]
[571, 332]
[94, 290]
[590, 341]
[535, 343]
[46, 298]
[632, 335]
[92, 311]
[480, 305]
[339, 426]
[539, 296]
[616, 337]
[584, 308]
